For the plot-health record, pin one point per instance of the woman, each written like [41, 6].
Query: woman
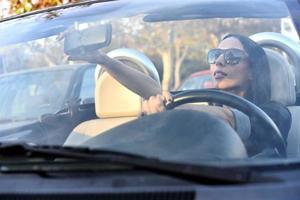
[238, 66]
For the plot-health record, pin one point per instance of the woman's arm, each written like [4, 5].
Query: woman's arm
[131, 78]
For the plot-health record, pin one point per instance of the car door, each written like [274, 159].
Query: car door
[84, 106]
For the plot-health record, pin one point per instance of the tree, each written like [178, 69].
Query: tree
[182, 43]
[44, 52]
[23, 6]
[179, 47]
[172, 42]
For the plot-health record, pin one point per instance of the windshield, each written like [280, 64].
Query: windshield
[31, 94]
[52, 72]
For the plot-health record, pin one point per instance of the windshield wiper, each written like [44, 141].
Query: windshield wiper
[52, 154]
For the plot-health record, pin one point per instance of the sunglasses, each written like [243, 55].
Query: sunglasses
[231, 56]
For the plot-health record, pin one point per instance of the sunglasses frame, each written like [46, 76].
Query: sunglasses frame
[229, 57]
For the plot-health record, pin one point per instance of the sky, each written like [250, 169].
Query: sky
[4, 8]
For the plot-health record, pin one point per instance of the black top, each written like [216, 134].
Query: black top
[281, 117]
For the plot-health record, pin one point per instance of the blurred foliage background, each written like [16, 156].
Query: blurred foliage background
[13, 7]
[177, 49]
[22, 6]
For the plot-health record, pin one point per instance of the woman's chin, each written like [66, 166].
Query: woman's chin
[224, 85]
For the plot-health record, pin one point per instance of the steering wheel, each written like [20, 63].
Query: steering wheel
[254, 113]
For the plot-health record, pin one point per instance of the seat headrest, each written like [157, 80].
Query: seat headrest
[282, 79]
[114, 100]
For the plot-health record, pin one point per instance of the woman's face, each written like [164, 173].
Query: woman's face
[231, 77]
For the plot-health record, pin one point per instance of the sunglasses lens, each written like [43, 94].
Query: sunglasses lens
[213, 55]
[233, 57]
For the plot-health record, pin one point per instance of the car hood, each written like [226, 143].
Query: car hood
[12, 131]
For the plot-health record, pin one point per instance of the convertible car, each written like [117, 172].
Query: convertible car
[197, 80]
[45, 104]
[121, 153]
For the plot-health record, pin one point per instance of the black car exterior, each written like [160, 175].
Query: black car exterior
[77, 105]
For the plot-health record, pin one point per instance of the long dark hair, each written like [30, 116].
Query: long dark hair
[259, 91]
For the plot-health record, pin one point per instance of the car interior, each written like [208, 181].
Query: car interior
[284, 80]
[122, 105]
[97, 142]
[117, 107]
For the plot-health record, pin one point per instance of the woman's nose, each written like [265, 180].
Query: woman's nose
[220, 61]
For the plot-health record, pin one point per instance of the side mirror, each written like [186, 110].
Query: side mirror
[49, 119]
[89, 38]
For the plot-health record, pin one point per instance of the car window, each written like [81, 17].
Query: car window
[33, 94]
[87, 90]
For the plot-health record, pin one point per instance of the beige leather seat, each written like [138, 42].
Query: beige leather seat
[114, 105]
[283, 91]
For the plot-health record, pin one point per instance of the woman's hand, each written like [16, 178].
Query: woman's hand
[156, 103]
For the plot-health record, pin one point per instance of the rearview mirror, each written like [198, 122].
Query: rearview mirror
[90, 38]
